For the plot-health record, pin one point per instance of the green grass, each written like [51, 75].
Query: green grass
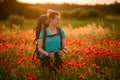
[104, 22]
[107, 22]
[30, 24]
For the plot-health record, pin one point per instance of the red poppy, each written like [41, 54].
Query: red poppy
[21, 61]
[78, 65]
[106, 68]
[69, 63]
[59, 71]
[97, 67]
[9, 68]
[81, 76]
[16, 43]
[93, 65]
[30, 76]
[5, 61]
[18, 55]
[51, 64]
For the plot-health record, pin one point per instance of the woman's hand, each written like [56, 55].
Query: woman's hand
[61, 52]
[51, 55]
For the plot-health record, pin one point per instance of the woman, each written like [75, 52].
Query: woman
[53, 48]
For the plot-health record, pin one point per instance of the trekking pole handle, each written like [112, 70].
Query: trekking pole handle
[64, 50]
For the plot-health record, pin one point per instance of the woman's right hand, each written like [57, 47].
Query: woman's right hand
[51, 55]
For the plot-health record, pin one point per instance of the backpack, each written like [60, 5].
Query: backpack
[41, 56]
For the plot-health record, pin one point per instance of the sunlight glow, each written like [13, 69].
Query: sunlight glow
[46, 1]
[70, 1]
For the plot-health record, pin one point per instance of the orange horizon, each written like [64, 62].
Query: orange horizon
[89, 2]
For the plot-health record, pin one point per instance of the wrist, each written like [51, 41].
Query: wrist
[47, 55]
[51, 52]
[64, 50]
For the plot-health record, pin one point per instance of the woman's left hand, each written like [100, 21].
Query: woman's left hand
[61, 52]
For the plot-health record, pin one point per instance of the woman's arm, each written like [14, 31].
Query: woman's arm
[40, 44]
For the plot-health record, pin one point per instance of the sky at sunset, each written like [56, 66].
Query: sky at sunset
[92, 2]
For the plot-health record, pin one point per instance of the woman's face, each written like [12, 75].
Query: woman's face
[56, 20]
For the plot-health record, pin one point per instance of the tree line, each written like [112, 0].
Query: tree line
[70, 11]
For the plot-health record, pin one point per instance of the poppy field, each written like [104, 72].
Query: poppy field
[88, 58]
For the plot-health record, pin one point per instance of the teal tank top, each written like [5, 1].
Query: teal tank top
[52, 43]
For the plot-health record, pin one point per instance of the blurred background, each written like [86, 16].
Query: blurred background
[73, 12]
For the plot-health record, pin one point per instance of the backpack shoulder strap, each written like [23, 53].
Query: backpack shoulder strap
[59, 30]
[44, 37]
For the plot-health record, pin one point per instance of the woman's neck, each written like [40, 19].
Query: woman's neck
[52, 27]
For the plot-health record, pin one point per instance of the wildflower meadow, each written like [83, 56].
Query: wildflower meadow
[93, 54]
